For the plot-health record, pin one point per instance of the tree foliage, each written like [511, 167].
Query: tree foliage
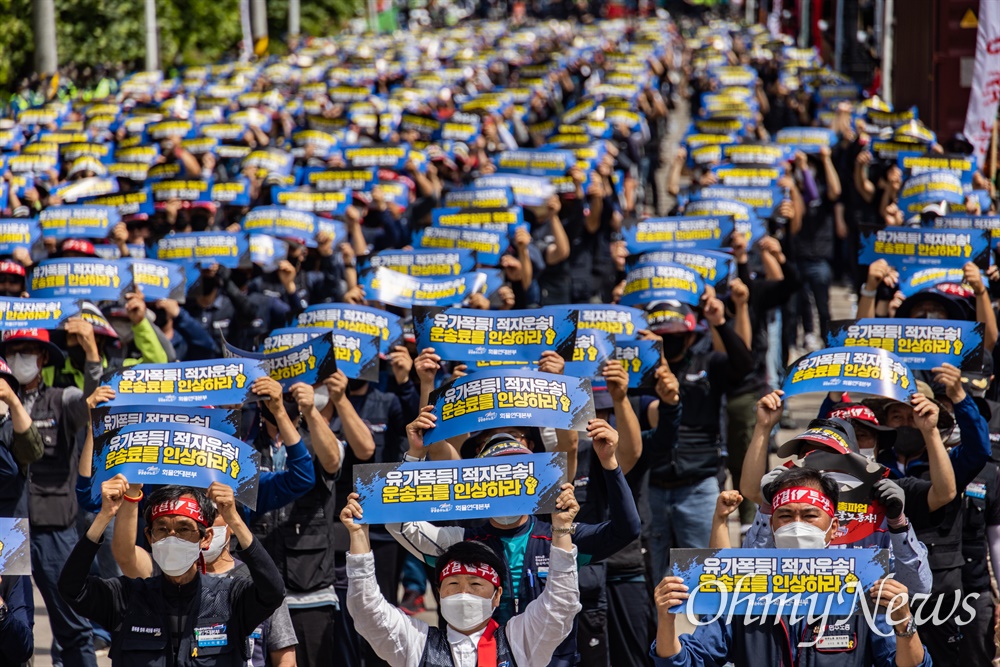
[109, 32]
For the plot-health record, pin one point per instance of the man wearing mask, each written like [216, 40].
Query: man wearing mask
[59, 414]
[684, 463]
[523, 541]
[838, 434]
[470, 577]
[180, 616]
[802, 517]
[274, 638]
[20, 446]
[12, 277]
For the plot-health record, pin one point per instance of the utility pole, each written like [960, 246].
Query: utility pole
[152, 40]
[46, 56]
[258, 19]
[294, 16]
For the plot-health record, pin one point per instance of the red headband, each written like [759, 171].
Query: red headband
[481, 570]
[802, 494]
[180, 507]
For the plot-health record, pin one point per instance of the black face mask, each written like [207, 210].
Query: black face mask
[77, 355]
[674, 346]
[909, 441]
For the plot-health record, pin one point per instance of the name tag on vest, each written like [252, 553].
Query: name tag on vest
[213, 635]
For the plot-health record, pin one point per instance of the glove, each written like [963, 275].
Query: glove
[765, 483]
[891, 496]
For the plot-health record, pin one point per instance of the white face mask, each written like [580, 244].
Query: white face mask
[868, 453]
[799, 535]
[321, 397]
[24, 367]
[175, 556]
[219, 540]
[465, 611]
[507, 520]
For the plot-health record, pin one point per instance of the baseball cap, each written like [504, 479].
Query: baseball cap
[502, 444]
[8, 375]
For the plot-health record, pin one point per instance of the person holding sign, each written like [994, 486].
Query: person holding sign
[526, 540]
[180, 614]
[470, 577]
[803, 515]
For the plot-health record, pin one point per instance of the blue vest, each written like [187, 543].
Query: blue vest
[437, 650]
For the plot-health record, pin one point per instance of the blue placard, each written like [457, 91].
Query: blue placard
[177, 454]
[920, 344]
[334, 202]
[454, 490]
[866, 370]
[130, 203]
[591, 350]
[36, 313]
[487, 218]
[20, 233]
[387, 157]
[809, 140]
[364, 320]
[185, 189]
[311, 361]
[111, 418]
[491, 197]
[931, 187]
[267, 251]
[488, 245]
[510, 397]
[229, 249]
[15, 547]
[232, 193]
[85, 278]
[86, 188]
[282, 222]
[674, 233]
[459, 334]
[324, 179]
[991, 223]
[78, 222]
[939, 278]
[196, 383]
[745, 217]
[158, 280]
[909, 250]
[731, 583]
[357, 354]
[647, 283]
[425, 262]
[398, 289]
[762, 200]
[915, 163]
[528, 190]
[622, 322]
[640, 358]
[755, 154]
[744, 176]
[536, 163]
[715, 267]
[269, 161]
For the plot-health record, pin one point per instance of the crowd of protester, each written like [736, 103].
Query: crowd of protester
[163, 576]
